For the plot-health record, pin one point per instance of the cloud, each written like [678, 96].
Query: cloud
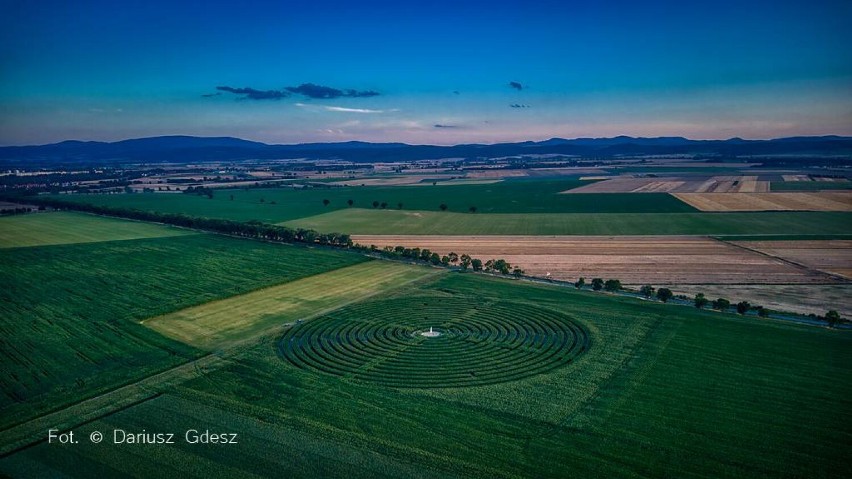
[516, 85]
[210, 95]
[252, 94]
[308, 90]
[438, 125]
[518, 105]
[351, 110]
[311, 90]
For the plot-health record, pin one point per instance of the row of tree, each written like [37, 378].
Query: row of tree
[250, 229]
[452, 259]
[699, 301]
[268, 232]
[384, 204]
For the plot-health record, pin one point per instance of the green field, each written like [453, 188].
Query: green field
[69, 313]
[809, 185]
[366, 221]
[218, 323]
[540, 196]
[66, 227]
[662, 391]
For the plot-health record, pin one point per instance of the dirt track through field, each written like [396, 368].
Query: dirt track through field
[633, 260]
[833, 257]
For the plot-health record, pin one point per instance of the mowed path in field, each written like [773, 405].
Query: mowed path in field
[219, 323]
[42, 229]
[633, 260]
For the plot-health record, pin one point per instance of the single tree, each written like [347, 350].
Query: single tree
[232, 196]
[833, 317]
[517, 272]
[477, 264]
[399, 206]
[700, 301]
[262, 200]
[647, 291]
[664, 294]
[350, 202]
[465, 261]
[375, 204]
[597, 284]
[384, 205]
[443, 206]
[472, 209]
[762, 312]
[435, 259]
[612, 285]
[325, 202]
[580, 283]
[454, 258]
[743, 307]
[445, 260]
[721, 304]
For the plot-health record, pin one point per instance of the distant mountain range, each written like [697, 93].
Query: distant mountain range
[190, 149]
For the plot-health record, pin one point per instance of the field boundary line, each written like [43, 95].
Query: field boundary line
[789, 262]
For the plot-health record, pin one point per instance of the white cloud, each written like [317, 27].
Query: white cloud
[352, 110]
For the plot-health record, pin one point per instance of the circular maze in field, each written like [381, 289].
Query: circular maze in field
[435, 342]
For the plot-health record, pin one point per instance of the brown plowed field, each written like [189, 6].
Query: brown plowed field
[633, 260]
[833, 257]
[798, 201]
[715, 184]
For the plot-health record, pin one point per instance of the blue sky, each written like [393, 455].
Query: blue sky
[441, 71]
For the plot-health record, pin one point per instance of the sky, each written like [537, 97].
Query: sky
[423, 72]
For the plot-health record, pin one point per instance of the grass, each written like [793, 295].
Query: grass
[69, 313]
[662, 391]
[65, 227]
[809, 185]
[218, 323]
[541, 196]
[365, 221]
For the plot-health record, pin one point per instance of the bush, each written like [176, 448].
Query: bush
[664, 294]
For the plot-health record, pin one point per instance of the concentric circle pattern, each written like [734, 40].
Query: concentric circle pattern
[476, 343]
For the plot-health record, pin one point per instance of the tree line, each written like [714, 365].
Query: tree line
[832, 317]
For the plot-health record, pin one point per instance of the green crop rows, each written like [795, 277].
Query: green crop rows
[475, 344]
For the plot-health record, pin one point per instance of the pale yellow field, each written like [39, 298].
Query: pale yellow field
[220, 323]
[795, 201]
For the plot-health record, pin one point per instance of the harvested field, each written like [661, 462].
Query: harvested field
[798, 201]
[834, 257]
[795, 298]
[496, 173]
[692, 184]
[633, 260]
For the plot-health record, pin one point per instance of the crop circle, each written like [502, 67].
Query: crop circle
[472, 343]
